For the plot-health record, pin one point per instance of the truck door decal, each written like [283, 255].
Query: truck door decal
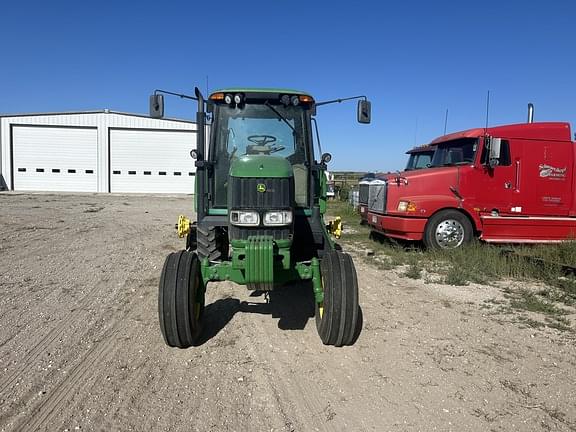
[553, 173]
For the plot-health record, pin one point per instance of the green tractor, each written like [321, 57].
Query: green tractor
[260, 200]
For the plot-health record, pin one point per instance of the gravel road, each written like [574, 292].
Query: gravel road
[80, 345]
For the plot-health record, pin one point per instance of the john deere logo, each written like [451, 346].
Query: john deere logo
[261, 187]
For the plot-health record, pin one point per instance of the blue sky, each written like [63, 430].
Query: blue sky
[413, 59]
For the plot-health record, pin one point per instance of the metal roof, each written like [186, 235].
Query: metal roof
[102, 111]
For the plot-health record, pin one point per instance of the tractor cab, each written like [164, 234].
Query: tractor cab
[263, 126]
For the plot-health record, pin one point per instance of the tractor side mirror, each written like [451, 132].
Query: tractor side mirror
[364, 111]
[326, 157]
[194, 154]
[157, 106]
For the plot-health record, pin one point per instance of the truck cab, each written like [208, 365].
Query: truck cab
[507, 184]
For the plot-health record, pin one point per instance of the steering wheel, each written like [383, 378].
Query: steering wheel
[262, 140]
[262, 145]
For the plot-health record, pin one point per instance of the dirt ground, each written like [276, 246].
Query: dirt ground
[80, 345]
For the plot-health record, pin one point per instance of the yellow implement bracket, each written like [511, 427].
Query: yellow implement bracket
[183, 226]
[335, 227]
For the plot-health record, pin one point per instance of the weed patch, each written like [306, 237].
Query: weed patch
[532, 302]
[414, 271]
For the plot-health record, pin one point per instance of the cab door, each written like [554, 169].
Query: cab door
[496, 188]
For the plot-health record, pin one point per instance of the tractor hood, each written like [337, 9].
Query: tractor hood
[261, 166]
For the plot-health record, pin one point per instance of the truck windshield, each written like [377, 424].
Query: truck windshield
[256, 129]
[419, 160]
[456, 152]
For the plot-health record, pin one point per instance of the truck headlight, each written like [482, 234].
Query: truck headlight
[244, 218]
[278, 218]
[406, 206]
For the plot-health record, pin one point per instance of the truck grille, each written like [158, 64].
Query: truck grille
[363, 190]
[377, 197]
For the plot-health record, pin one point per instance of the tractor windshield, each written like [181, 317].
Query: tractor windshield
[456, 152]
[257, 129]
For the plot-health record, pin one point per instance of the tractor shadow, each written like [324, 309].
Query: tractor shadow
[292, 305]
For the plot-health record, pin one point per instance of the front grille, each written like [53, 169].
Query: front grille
[363, 190]
[377, 197]
[243, 194]
[242, 233]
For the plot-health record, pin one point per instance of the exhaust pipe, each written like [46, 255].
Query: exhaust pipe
[530, 113]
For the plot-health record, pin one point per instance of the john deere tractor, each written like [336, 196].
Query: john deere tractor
[260, 200]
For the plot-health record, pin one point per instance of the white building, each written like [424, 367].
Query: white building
[100, 151]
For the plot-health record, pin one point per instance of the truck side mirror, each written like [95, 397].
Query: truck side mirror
[364, 111]
[495, 144]
[494, 151]
[157, 106]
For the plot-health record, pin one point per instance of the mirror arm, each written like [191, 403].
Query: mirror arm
[341, 100]
[317, 135]
[183, 96]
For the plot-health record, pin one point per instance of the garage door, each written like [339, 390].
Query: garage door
[151, 161]
[54, 158]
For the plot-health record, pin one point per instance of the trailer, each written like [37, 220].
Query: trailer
[505, 184]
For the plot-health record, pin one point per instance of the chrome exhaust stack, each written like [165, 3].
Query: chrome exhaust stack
[530, 113]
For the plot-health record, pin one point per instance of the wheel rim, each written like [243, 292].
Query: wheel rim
[449, 234]
[321, 305]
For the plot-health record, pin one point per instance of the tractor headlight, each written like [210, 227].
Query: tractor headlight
[228, 98]
[278, 218]
[244, 218]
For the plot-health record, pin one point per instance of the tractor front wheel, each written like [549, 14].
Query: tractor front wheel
[337, 315]
[181, 299]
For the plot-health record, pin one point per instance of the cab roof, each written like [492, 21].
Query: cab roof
[261, 90]
[426, 148]
[550, 131]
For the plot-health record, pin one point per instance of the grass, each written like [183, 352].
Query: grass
[414, 271]
[475, 263]
[532, 302]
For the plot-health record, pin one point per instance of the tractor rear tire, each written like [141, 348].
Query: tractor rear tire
[337, 316]
[181, 299]
[191, 239]
[211, 243]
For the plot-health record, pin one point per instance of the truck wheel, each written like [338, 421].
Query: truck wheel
[337, 316]
[447, 229]
[181, 299]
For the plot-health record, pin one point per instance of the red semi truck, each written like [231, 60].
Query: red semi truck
[505, 184]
